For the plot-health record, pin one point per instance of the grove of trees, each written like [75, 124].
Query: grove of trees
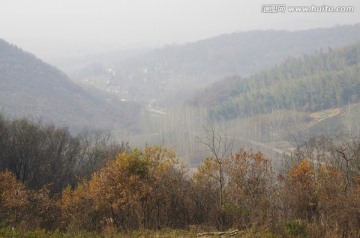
[53, 180]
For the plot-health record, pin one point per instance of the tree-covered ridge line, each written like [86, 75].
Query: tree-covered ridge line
[113, 188]
[311, 83]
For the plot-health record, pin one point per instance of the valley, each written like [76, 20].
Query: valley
[255, 130]
[166, 96]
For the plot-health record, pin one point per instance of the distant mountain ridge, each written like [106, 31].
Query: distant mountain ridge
[170, 75]
[245, 53]
[29, 87]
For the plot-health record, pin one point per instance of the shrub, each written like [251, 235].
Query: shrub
[295, 228]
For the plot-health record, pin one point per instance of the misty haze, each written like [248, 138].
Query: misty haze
[179, 118]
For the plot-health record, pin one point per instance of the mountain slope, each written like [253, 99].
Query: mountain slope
[32, 88]
[311, 83]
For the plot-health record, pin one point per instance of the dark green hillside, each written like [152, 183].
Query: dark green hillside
[310, 83]
[32, 88]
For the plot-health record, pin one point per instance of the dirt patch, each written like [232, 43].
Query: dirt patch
[326, 114]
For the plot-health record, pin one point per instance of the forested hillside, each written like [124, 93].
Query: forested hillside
[30, 87]
[314, 82]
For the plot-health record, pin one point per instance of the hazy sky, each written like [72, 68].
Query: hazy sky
[50, 28]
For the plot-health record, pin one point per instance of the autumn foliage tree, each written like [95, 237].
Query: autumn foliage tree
[78, 211]
[246, 184]
[249, 188]
[13, 197]
[29, 208]
[206, 190]
[301, 191]
[321, 187]
[137, 189]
